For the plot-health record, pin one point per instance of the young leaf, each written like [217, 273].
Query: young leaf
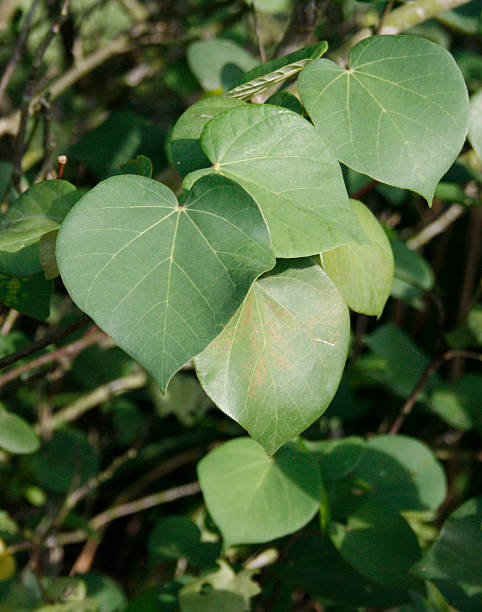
[275, 71]
[277, 156]
[255, 498]
[218, 63]
[277, 364]
[398, 113]
[39, 210]
[186, 150]
[363, 273]
[16, 435]
[162, 278]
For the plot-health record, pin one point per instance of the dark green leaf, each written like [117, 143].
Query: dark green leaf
[287, 100]
[398, 113]
[129, 256]
[315, 566]
[30, 296]
[37, 211]
[277, 364]
[379, 544]
[337, 458]
[255, 498]
[67, 460]
[459, 404]
[141, 166]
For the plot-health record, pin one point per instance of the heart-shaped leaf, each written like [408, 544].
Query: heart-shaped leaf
[398, 113]
[255, 498]
[186, 150]
[39, 210]
[277, 156]
[363, 273]
[162, 278]
[277, 364]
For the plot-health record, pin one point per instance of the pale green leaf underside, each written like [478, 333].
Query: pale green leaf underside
[39, 210]
[399, 113]
[255, 498]
[275, 71]
[277, 156]
[363, 273]
[162, 279]
[277, 364]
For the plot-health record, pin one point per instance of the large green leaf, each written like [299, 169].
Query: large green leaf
[379, 544]
[277, 364]
[403, 473]
[275, 71]
[37, 211]
[68, 459]
[162, 278]
[457, 553]
[255, 498]
[218, 63]
[186, 150]
[363, 273]
[16, 435]
[277, 156]
[454, 562]
[398, 113]
[314, 565]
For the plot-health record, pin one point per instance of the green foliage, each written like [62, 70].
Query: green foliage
[218, 258]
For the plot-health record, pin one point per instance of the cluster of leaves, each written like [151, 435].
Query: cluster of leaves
[246, 273]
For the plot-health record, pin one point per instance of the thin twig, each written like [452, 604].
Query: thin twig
[100, 395]
[68, 351]
[9, 322]
[363, 190]
[386, 11]
[144, 503]
[17, 53]
[302, 24]
[435, 363]
[257, 33]
[28, 92]
[53, 335]
[48, 143]
[436, 227]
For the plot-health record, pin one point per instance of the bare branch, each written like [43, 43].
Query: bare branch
[53, 335]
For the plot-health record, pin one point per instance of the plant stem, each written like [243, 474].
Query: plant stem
[435, 363]
[413, 13]
[257, 33]
[302, 24]
[10, 67]
[436, 227]
[54, 335]
[29, 91]
[93, 399]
